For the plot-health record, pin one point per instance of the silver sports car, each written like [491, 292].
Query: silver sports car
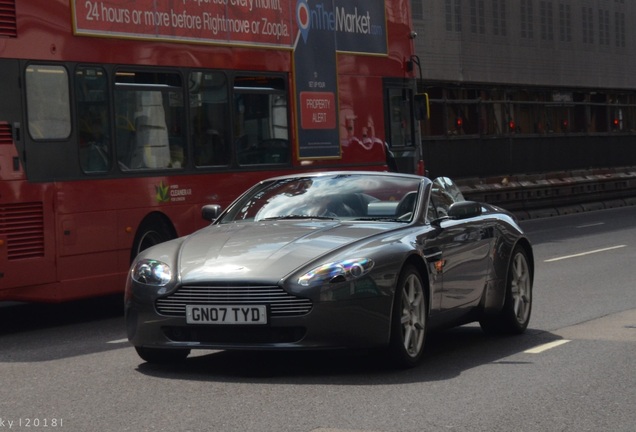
[332, 260]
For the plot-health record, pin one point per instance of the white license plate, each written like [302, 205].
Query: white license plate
[226, 314]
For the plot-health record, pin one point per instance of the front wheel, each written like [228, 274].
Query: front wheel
[152, 231]
[515, 314]
[409, 320]
[162, 355]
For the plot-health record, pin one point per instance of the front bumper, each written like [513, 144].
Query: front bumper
[348, 323]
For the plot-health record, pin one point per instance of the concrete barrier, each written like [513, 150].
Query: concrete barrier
[556, 193]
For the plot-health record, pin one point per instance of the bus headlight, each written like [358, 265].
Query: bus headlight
[152, 272]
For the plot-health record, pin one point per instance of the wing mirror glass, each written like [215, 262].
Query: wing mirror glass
[464, 210]
[210, 212]
[459, 211]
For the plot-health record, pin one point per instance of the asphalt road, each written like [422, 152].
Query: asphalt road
[68, 367]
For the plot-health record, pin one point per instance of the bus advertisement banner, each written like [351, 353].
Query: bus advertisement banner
[316, 80]
[326, 28]
[251, 22]
[359, 25]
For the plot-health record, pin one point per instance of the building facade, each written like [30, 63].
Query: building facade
[527, 86]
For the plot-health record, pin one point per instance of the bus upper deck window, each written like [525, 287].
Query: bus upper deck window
[48, 102]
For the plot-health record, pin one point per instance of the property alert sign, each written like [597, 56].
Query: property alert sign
[317, 110]
[253, 22]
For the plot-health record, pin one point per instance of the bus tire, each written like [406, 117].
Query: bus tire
[154, 229]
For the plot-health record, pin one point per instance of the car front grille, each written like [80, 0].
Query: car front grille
[280, 302]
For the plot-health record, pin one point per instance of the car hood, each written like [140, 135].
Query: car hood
[263, 251]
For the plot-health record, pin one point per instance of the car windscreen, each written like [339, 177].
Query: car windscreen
[342, 196]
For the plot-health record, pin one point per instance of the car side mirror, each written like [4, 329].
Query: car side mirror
[210, 212]
[464, 210]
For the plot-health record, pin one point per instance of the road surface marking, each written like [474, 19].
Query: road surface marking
[118, 341]
[591, 225]
[541, 348]
[585, 253]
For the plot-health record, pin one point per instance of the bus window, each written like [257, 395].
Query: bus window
[422, 107]
[260, 121]
[400, 117]
[149, 119]
[48, 102]
[91, 94]
[209, 118]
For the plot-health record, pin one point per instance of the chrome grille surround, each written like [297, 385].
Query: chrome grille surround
[280, 302]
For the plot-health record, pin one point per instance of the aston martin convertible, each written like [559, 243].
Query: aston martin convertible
[332, 260]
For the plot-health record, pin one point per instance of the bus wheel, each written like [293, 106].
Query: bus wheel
[152, 231]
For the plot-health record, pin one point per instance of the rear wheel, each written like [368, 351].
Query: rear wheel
[408, 326]
[515, 314]
[161, 355]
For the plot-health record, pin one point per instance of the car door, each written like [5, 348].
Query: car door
[461, 249]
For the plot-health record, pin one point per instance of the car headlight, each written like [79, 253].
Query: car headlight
[339, 271]
[152, 272]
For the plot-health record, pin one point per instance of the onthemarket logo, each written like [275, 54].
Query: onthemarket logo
[321, 17]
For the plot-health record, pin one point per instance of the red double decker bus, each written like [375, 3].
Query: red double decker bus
[120, 119]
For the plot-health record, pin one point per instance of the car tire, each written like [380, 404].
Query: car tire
[161, 355]
[409, 320]
[152, 231]
[515, 314]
